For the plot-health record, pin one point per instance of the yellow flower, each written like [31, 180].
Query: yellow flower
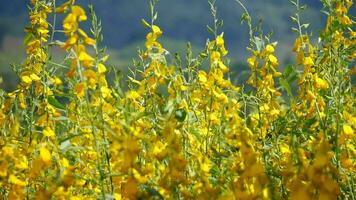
[86, 59]
[223, 67]
[64, 163]
[214, 118]
[150, 40]
[265, 193]
[70, 23]
[21, 163]
[45, 156]
[42, 31]
[156, 30]
[91, 77]
[273, 60]
[101, 68]
[117, 196]
[205, 165]
[223, 51]
[214, 57]
[202, 76]
[89, 41]
[26, 79]
[321, 83]
[277, 74]
[62, 8]
[347, 129]
[34, 77]
[48, 132]
[8, 151]
[308, 62]
[14, 180]
[133, 95]
[284, 149]
[79, 12]
[80, 90]
[3, 169]
[251, 61]
[56, 81]
[220, 41]
[269, 49]
[310, 95]
[105, 91]
[275, 112]
[345, 20]
[70, 42]
[139, 177]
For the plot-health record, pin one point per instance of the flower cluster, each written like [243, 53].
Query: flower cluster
[179, 128]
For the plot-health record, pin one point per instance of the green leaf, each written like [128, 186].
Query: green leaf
[54, 102]
[65, 144]
[155, 16]
[287, 71]
[145, 23]
[290, 74]
[245, 18]
[305, 26]
[28, 38]
[292, 77]
[285, 86]
[294, 19]
[180, 115]
[295, 30]
[310, 122]
[259, 43]
[294, 3]
[210, 30]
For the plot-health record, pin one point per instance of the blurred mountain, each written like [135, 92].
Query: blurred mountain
[187, 19]
[181, 21]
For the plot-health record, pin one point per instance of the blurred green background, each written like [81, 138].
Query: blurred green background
[181, 21]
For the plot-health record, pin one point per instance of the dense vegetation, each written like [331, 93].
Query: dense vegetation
[176, 126]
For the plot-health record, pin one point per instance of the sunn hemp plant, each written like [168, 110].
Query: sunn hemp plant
[171, 130]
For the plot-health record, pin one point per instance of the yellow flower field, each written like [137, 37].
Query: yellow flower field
[171, 130]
